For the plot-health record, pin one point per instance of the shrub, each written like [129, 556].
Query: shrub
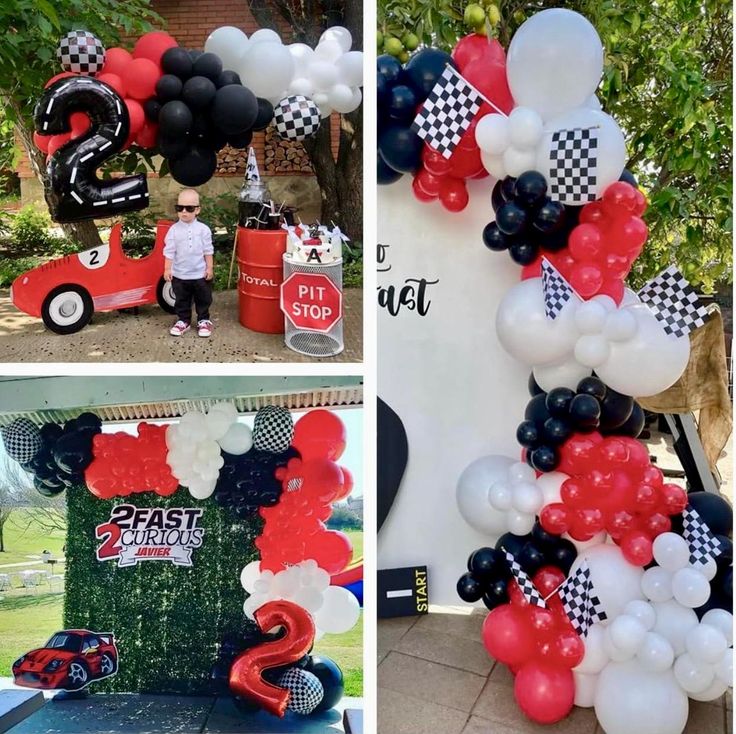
[29, 230]
[12, 267]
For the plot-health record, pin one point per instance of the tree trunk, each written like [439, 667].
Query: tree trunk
[2, 538]
[85, 232]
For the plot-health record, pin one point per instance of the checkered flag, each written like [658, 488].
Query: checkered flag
[581, 605]
[703, 544]
[447, 113]
[524, 582]
[557, 291]
[674, 302]
[574, 165]
[251, 167]
[296, 117]
[81, 52]
[273, 429]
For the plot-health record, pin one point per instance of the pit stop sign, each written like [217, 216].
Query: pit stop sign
[311, 301]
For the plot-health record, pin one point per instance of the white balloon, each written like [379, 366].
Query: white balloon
[301, 52]
[671, 551]
[709, 569]
[585, 686]
[357, 98]
[657, 584]
[655, 653]
[325, 111]
[643, 611]
[301, 86]
[593, 102]
[526, 128]
[265, 35]
[632, 700]
[238, 440]
[550, 484]
[517, 161]
[724, 668]
[493, 133]
[328, 51]
[563, 374]
[620, 326]
[266, 68]
[554, 62]
[596, 657]
[340, 98]
[217, 424]
[690, 588]
[706, 643]
[309, 599]
[581, 545]
[610, 151]
[590, 317]
[229, 43]
[499, 495]
[339, 34]
[519, 523]
[722, 620]
[526, 498]
[323, 74]
[522, 472]
[350, 68]
[339, 612]
[320, 99]
[592, 350]
[226, 408]
[616, 581]
[693, 675]
[249, 575]
[494, 165]
[674, 622]
[715, 690]
[203, 489]
[627, 633]
[472, 493]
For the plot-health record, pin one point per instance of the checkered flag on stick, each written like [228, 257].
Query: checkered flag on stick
[581, 605]
[574, 165]
[525, 583]
[251, 167]
[674, 302]
[557, 291]
[447, 113]
[703, 544]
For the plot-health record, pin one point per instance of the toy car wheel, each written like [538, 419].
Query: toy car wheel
[67, 309]
[77, 676]
[107, 665]
[165, 296]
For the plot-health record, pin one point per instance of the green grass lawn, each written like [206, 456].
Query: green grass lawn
[356, 538]
[22, 540]
[347, 651]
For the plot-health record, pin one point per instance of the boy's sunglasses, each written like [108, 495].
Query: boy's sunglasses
[186, 207]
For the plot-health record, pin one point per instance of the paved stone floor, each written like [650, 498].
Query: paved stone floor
[117, 336]
[434, 675]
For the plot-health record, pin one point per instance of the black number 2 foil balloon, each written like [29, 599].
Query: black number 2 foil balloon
[73, 168]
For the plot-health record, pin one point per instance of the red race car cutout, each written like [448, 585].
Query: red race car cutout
[66, 292]
[70, 660]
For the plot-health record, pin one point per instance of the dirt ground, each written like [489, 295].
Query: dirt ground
[124, 336]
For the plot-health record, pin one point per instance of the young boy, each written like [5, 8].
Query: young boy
[188, 263]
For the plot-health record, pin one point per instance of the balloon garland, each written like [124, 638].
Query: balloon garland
[608, 587]
[288, 473]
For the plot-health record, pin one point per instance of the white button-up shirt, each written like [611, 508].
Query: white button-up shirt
[186, 245]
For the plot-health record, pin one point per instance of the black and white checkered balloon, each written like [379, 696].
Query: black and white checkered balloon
[273, 429]
[306, 690]
[296, 117]
[21, 439]
[81, 52]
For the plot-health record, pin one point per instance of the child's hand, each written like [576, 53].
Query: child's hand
[209, 274]
[167, 275]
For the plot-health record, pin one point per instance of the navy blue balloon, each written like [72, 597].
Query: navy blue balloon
[330, 676]
[511, 218]
[494, 239]
[469, 588]
[402, 103]
[389, 67]
[401, 148]
[386, 175]
[424, 68]
[523, 252]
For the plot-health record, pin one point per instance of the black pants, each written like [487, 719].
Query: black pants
[186, 291]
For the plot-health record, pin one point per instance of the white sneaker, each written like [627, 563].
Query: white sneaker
[204, 328]
[179, 328]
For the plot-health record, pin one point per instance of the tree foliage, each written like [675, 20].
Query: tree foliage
[667, 82]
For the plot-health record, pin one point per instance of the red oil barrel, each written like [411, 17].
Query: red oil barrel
[260, 274]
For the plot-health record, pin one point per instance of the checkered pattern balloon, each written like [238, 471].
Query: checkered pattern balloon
[21, 439]
[557, 291]
[305, 688]
[674, 302]
[574, 165]
[81, 53]
[273, 429]
[296, 117]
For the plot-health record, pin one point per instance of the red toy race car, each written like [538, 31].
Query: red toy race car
[70, 660]
[66, 292]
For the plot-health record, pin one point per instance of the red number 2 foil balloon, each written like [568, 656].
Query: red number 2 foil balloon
[246, 677]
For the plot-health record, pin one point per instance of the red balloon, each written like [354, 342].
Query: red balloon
[42, 142]
[577, 455]
[63, 75]
[490, 80]
[674, 499]
[136, 114]
[319, 434]
[428, 183]
[477, 46]
[146, 137]
[586, 280]
[545, 693]
[585, 242]
[619, 195]
[567, 649]
[508, 635]
[57, 141]
[533, 270]
[434, 162]
[636, 547]
[466, 163]
[641, 203]
[116, 61]
[555, 518]
[656, 524]
[332, 550]
[246, 673]
[79, 123]
[543, 621]
[321, 481]
[592, 213]
[140, 78]
[114, 81]
[152, 46]
[347, 485]
[418, 191]
[453, 194]
[548, 580]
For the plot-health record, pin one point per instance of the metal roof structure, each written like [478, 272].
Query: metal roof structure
[122, 399]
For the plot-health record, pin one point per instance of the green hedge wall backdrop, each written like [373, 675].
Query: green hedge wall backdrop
[167, 619]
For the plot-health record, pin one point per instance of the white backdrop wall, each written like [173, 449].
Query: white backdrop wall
[459, 395]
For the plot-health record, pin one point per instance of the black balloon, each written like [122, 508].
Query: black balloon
[532, 386]
[388, 67]
[50, 432]
[615, 410]
[562, 555]
[194, 54]
[424, 69]
[178, 62]
[469, 588]
[243, 140]
[227, 77]
[585, 413]
[497, 198]
[168, 88]
[530, 189]
[198, 92]
[527, 434]
[634, 424]
[512, 543]
[175, 120]
[558, 401]
[544, 459]
[714, 511]
[628, 177]
[523, 253]
[265, 114]
[496, 594]
[556, 431]
[592, 386]
[485, 563]
[402, 103]
[536, 410]
[195, 167]
[234, 109]
[385, 174]
[152, 109]
[493, 238]
[400, 148]
[331, 678]
[172, 147]
[208, 65]
[550, 217]
[511, 218]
